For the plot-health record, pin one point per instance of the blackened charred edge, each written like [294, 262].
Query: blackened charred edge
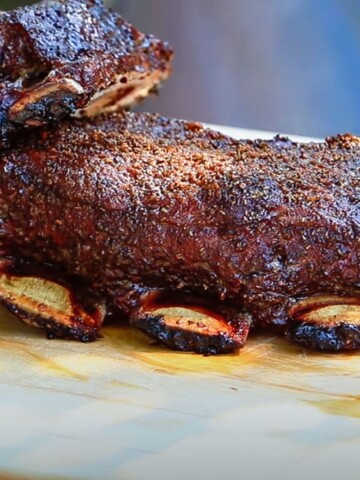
[47, 109]
[53, 329]
[187, 341]
[336, 338]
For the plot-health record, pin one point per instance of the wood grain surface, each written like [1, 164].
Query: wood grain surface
[125, 408]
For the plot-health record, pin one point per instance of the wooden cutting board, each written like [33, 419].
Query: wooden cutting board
[123, 408]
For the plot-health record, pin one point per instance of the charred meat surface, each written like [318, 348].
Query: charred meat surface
[72, 56]
[137, 203]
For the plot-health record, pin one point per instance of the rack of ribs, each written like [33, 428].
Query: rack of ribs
[72, 57]
[149, 212]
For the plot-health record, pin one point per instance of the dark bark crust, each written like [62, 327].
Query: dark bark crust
[132, 203]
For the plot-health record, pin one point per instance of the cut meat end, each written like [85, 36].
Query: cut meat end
[53, 307]
[126, 91]
[188, 330]
[325, 322]
[46, 102]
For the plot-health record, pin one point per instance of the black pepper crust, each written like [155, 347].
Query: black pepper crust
[46, 47]
[133, 203]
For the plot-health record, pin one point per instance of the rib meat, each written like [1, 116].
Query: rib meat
[62, 57]
[139, 206]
